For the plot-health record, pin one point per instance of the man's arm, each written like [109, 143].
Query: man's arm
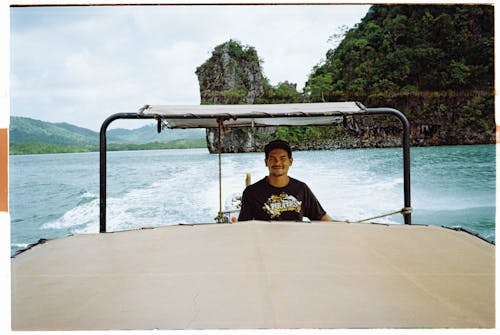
[313, 208]
[246, 212]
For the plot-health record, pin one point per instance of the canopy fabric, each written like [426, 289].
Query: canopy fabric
[260, 115]
[255, 275]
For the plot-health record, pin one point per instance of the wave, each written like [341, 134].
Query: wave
[388, 184]
[86, 197]
[19, 245]
[183, 188]
[479, 219]
[82, 214]
[163, 202]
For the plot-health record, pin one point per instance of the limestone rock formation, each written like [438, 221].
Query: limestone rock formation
[232, 75]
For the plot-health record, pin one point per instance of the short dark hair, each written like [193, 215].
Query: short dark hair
[277, 144]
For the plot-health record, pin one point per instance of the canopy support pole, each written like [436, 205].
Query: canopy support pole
[406, 155]
[103, 159]
[220, 216]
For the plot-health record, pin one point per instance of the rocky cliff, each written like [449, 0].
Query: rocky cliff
[233, 75]
[435, 63]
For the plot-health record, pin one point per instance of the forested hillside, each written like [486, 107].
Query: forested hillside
[433, 62]
[30, 136]
[27, 130]
[403, 49]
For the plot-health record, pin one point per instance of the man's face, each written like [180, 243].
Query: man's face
[278, 162]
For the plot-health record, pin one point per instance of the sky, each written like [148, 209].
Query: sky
[81, 64]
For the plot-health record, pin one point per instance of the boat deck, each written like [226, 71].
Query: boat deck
[257, 275]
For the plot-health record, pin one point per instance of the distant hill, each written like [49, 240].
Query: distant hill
[27, 130]
[149, 133]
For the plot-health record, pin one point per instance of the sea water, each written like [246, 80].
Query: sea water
[56, 195]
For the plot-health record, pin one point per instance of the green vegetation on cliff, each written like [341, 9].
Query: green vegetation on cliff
[407, 49]
[435, 63]
[233, 75]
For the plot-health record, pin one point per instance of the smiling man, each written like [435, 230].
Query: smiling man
[278, 196]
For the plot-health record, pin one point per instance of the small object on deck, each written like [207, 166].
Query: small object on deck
[248, 179]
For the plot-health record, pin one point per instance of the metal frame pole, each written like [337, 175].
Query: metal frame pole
[366, 111]
[406, 155]
[103, 161]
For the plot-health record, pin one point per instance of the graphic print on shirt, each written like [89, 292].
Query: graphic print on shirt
[278, 204]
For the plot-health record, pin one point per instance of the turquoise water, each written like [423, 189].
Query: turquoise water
[58, 195]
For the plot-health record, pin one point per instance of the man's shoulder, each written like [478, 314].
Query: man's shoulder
[297, 182]
[298, 185]
[262, 183]
[258, 184]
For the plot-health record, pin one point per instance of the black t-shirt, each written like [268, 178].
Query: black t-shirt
[261, 201]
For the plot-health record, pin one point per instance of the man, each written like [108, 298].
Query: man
[278, 196]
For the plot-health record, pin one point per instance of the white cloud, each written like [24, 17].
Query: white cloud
[81, 64]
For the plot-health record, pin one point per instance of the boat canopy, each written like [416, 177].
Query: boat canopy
[259, 115]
